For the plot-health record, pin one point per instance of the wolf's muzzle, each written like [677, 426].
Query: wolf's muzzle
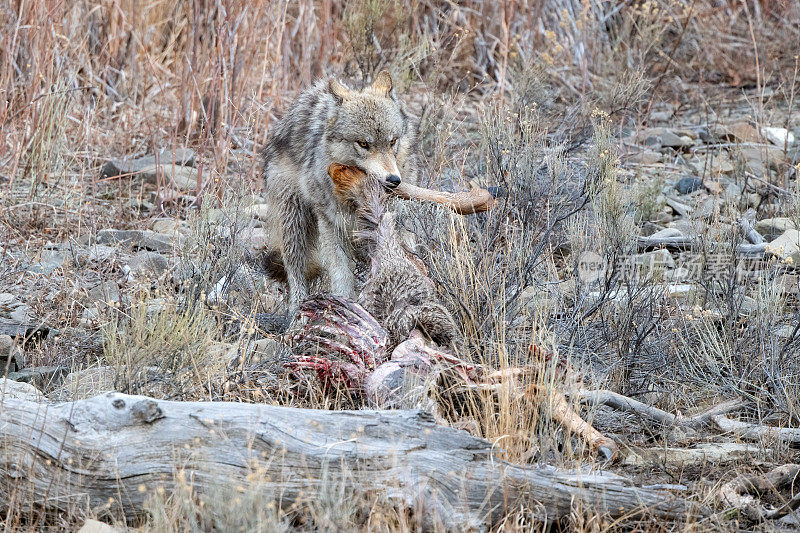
[392, 181]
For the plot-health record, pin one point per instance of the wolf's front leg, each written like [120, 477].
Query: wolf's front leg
[296, 224]
[335, 260]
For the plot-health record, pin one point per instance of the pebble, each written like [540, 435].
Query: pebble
[688, 185]
[149, 240]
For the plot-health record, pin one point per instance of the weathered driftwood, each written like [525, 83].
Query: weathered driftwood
[623, 403]
[109, 452]
[742, 492]
[757, 432]
[462, 203]
[685, 243]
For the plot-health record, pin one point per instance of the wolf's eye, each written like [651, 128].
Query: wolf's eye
[393, 142]
[363, 144]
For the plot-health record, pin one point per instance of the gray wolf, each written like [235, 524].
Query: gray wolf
[311, 217]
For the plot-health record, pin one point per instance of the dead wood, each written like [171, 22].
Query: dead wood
[741, 492]
[623, 403]
[109, 452]
[685, 243]
[757, 432]
[463, 203]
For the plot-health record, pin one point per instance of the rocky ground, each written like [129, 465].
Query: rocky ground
[155, 295]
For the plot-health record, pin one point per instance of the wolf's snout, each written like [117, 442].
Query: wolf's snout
[393, 181]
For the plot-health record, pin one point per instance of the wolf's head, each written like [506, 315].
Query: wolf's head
[369, 129]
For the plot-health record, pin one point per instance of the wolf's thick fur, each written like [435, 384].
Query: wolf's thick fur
[330, 123]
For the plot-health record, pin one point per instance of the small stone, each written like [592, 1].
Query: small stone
[786, 247]
[41, 377]
[654, 262]
[11, 357]
[96, 253]
[679, 207]
[90, 317]
[772, 228]
[145, 167]
[667, 233]
[107, 292]
[147, 264]
[671, 140]
[744, 132]
[169, 226]
[780, 137]
[86, 383]
[149, 240]
[22, 314]
[760, 159]
[645, 157]
[707, 208]
[688, 185]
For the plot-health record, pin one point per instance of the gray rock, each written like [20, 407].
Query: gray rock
[11, 357]
[85, 383]
[655, 261]
[107, 292]
[145, 167]
[41, 377]
[649, 229]
[679, 207]
[667, 233]
[671, 140]
[19, 390]
[786, 247]
[760, 159]
[95, 253]
[147, 264]
[772, 228]
[149, 240]
[22, 314]
[645, 157]
[688, 185]
[780, 137]
[169, 226]
[50, 261]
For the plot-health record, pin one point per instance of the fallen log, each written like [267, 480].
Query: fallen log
[109, 452]
[463, 203]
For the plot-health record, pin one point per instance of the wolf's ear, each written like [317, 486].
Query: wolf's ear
[382, 83]
[339, 91]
